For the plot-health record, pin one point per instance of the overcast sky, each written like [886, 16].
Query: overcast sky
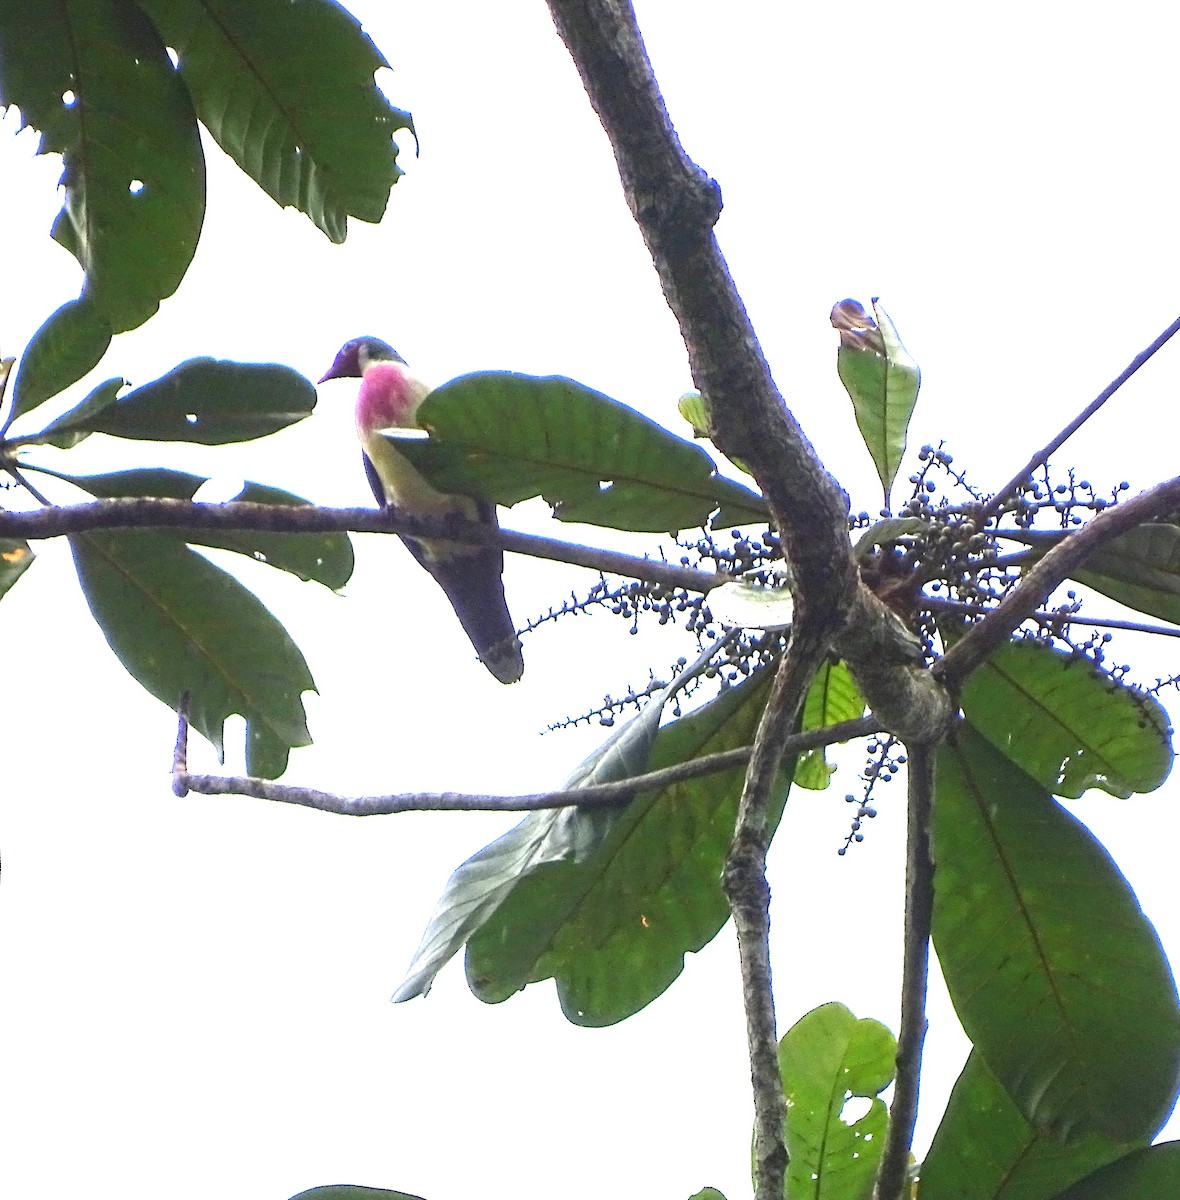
[196, 992]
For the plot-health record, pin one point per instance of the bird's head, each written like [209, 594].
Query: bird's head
[354, 357]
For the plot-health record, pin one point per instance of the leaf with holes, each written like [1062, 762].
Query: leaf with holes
[96, 80]
[1032, 920]
[825, 1058]
[1069, 725]
[324, 558]
[204, 400]
[288, 92]
[507, 437]
[180, 625]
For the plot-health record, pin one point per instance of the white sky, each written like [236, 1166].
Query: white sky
[195, 992]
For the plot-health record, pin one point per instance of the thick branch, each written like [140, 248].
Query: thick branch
[676, 205]
[919, 910]
[592, 796]
[1057, 566]
[150, 513]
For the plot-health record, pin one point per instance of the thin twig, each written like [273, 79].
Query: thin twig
[239, 515]
[1041, 457]
[1057, 566]
[978, 610]
[748, 892]
[593, 795]
[893, 1169]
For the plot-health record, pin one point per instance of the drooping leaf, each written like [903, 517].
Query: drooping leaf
[96, 80]
[1032, 920]
[67, 345]
[16, 557]
[508, 437]
[1067, 724]
[825, 1056]
[832, 697]
[180, 625]
[985, 1150]
[324, 558]
[882, 381]
[477, 889]
[1150, 1174]
[204, 400]
[352, 1191]
[612, 920]
[288, 92]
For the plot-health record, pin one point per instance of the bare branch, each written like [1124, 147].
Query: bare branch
[1063, 560]
[237, 515]
[595, 795]
[1046, 615]
[919, 909]
[1041, 457]
[748, 893]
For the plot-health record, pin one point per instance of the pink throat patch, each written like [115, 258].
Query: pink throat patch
[387, 398]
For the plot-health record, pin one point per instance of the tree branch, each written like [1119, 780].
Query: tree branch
[1038, 583]
[237, 515]
[748, 893]
[893, 1169]
[599, 795]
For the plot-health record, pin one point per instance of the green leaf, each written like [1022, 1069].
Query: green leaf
[477, 889]
[612, 921]
[709, 1193]
[825, 1058]
[70, 428]
[16, 557]
[984, 1149]
[507, 437]
[832, 697]
[1066, 723]
[1140, 569]
[203, 400]
[1150, 1174]
[134, 172]
[324, 558]
[882, 381]
[1057, 976]
[288, 92]
[179, 624]
[67, 345]
[352, 1191]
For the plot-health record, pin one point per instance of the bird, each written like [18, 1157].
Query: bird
[470, 575]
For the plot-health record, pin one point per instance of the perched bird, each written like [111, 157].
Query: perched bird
[470, 575]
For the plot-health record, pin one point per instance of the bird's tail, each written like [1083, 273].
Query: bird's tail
[471, 578]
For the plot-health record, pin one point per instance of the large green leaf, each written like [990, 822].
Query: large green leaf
[606, 901]
[508, 437]
[478, 888]
[1151, 1174]
[1057, 976]
[1069, 725]
[67, 345]
[204, 400]
[882, 381]
[613, 923]
[325, 558]
[95, 78]
[825, 1057]
[180, 625]
[16, 557]
[832, 697]
[985, 1150]
[288, 92]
